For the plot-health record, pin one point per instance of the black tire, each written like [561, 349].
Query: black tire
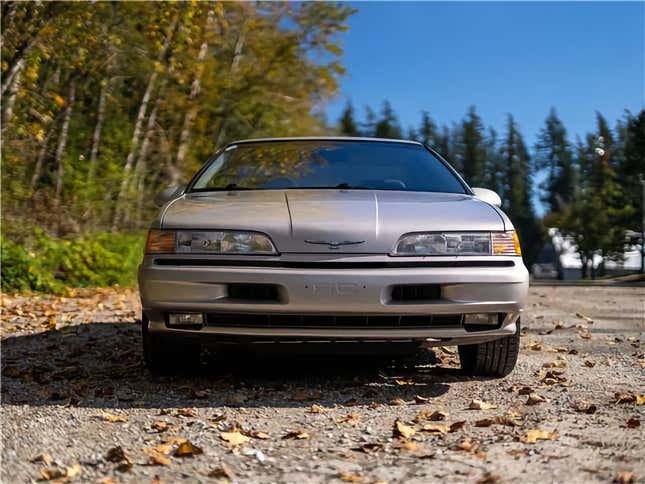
[167, 356]
[494, 358]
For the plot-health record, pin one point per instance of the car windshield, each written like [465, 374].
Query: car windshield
[323, 164]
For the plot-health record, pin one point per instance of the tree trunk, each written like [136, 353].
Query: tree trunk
[140, 168]
[134, 144]
[42, 154]
[11, 97]
[96, 137]
[191, 114]
[583, 267]
[62, 142]
[11, 75]
[237, 57]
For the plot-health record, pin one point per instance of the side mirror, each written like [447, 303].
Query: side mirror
[488, 196]
[169, 194]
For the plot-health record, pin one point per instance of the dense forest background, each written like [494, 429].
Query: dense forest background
[105, 104]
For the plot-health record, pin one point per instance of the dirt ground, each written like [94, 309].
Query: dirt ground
[78, 404]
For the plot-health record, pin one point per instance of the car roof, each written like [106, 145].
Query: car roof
[325, 138]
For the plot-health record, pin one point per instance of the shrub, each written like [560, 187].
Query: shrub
[47, 264]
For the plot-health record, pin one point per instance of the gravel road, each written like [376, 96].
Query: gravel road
[78, 404]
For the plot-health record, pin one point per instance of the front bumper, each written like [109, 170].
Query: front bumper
[348, 285]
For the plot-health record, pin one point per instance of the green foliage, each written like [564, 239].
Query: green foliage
[105, 104]
[48, 264]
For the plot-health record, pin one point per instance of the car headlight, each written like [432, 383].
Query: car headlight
[458, 243]
[209, 242]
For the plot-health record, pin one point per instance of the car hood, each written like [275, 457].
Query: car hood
[338, 221]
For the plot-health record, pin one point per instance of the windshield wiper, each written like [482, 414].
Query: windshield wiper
[228, 188]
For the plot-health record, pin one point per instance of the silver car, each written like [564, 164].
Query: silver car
[374, 242]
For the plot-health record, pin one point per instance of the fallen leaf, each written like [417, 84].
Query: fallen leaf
[351, 419]
[456, 426]
[397, 401]
[350, 477]
[42, 458]
[402, 430]
[435, 428]
[467, 444]
[532, 436]
[633, 422]
[584, 407]
[158, 449]
[50, 473]
[625, 477]
[624, 397]
[296, 434]
[159, 425]
[116, 454]
[535, 346]
[559, 363]
[112, 418]
[234, 438]
[256, 434]
[584, 334]
[315, 408]
[481, 405]
[534, 399]
[432, 415]
[506, 420]
[187, 449]
[158, 460]
[586, 318]
[369, 447]
[186, 412]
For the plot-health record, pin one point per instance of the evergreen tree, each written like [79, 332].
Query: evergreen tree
[595, 217]
[471, 148]
[387, 126]
[427, 130]
[369, 126]
[445, 147]
[348, 126]
[553, 153]
[516, 191]
[631, 168]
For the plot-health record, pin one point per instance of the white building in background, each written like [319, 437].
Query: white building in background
[559, 259]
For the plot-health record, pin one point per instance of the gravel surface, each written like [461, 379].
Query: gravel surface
[78, 404]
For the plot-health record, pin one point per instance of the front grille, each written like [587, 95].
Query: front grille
[246, 320]
[416, 292]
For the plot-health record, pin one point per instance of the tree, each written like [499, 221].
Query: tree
[516, 189]
[553, 154]
[347, 123]
[631, 168]
[594, 218]
[427, 130]
[104, 103]
[471, 148]
[387, 125]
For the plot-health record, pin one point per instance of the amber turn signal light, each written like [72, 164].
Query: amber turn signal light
[160, 242]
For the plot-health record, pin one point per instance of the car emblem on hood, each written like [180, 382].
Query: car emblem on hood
[334, 244]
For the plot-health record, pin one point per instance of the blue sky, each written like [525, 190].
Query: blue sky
[502, 57]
